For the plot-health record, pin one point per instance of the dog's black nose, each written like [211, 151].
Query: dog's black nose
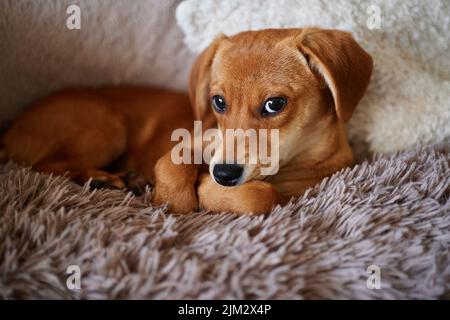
[227, 174]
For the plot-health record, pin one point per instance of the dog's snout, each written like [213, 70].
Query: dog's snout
[227, 174]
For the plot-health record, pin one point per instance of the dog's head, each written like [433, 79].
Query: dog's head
[298, 81]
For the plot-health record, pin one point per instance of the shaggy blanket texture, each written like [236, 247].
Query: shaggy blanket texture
[392, 212]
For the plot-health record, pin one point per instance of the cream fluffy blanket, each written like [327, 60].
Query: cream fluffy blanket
[392, 212]
[408, 100]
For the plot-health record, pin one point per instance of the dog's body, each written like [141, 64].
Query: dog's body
[316, 76]
[83, 131]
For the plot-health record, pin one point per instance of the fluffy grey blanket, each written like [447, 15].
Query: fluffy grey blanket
[390, 214]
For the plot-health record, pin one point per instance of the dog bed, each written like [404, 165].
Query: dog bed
[391, 212]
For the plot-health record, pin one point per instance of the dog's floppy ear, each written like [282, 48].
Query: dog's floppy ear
[200, 79]
[343, 64]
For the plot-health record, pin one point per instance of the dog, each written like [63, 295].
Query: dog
[304, 82]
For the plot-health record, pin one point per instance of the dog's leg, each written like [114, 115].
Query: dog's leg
[257, 197]
[73, 133]
[3, 157]
[100, 179]
[175, 184]
[135, 182]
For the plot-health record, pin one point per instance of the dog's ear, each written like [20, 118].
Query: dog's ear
[343, 64]
[200, 80]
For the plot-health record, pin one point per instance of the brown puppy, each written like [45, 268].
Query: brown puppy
[304, 82]
[321, 75]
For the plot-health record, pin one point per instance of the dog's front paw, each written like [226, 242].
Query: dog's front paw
[180, 200]
[253, 197]
[175, 185]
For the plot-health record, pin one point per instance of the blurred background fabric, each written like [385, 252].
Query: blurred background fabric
[120, 42]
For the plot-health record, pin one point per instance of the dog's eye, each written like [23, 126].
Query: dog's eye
[272, 106]
[218, 103]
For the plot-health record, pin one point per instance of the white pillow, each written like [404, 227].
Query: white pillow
[408, 99]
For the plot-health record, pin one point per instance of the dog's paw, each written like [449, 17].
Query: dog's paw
[180, 200]
[175, 185]
[101, 180]
[136, 182]
[253, 197]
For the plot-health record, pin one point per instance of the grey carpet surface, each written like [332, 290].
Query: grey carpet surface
[392, 212]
